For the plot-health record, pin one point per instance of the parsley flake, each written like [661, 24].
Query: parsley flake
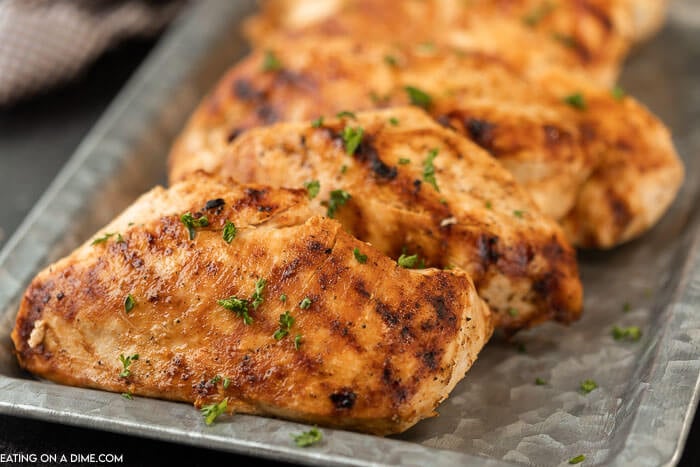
[227, 382]
[347, 114]
[391, 60]
[407, 262]
[337, 199]
[352, 137]
[215, 379]
[317, 123]
[618, 93]
[286, 323]
[631, 333]
[394, 121]
[312, 187]
[305, 304]
[127, 395]
[565, 39]
[104, 238]
[362, 259]
[540, 382]
[126, 362]
[308, 438]
[404, 161]
[257, 297]
[429, 169]
[533, 18]
[129, 303]
[588, 386]
[297, 342]
[519, 214]
[283, 298]
[419, 98]
[192, 223]
[576, 100]
[230, 231]
[271, 62]
[212, 411]
[577, 460]
[238, 306]
[488, 205]
[626, 307]
[513, 312]
[343, 169]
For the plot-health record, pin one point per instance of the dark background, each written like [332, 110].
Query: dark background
[37, 137]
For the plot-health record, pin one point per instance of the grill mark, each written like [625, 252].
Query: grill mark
[344, 399]
[368, 154]
[481, 132]
[389, 316]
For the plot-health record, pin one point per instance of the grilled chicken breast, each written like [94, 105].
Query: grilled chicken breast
[566, 141]
[370, 346]
[413, 187]
[592, 36]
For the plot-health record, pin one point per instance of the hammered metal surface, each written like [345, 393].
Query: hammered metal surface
[647, 394]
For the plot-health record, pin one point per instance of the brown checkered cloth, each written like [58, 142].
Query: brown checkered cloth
[47, 42]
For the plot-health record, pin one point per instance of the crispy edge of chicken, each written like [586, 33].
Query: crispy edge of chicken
[480, 220]
[569, 158]
[381, 346]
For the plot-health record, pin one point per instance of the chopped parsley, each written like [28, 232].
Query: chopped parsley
[626, 307]
[107, 236]
[312, 187]
[565, 39]
[229, 231]
[347, 114]
[588, 386]
[271, 62]
[343, 169]
[257, 297]
[238, 306]
[317, 123]
[126, 362]
[297, 341]
[304, 304]
[540, 382]
[391, 60]
[127, 395]
[212, 411]
[618, 93]
[419, 98]
[538, 13]
[404, 161]
[286, 323]
[513, 312]
[519, 214]
[227, 382]
[577, 460]
[129, 303]
[308, 438]
[337, 199]
[283, 298]
[394, 121]
[631, 333]
[576, 100]
[352, 137]
[488, 205]
[410, 262]
[362, 259]
[192, 223]
[429, 169]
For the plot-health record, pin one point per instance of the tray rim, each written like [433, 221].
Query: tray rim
[112, 117]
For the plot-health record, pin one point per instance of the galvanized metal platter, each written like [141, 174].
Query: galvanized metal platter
[648, 390]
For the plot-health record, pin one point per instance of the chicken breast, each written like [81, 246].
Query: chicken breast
[292, 318]
[400, 181]
[561, 137]
[592, 36]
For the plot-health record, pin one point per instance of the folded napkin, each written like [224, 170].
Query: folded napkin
[46, 42]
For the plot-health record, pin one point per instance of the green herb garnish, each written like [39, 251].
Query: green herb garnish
[352, 137]
[577, 460]
[343, 169]
[104, 238]
[286, 323]
[126, 362]
[362, 259]
[127, 395]
[227, 382]
[212, 411]
[540, 382]
[618, 93]
[394, 121]
[407, 262]
[519, 214]
[297, 342]
[631, 333]
[317, 123]
[576, 101]
[538, 14]
[429, 169]
[312, 187]
[347, 114]
[129, 303]
[337, 199]
[283, 298]
[238, 306]
[192, 223]
[391, 60]
[404, 161]
[229, 231]
[488, 205]
[513, 312]
[308, 438]
[419, 98]
[271, 62]
[304, 304]
[588, 386]
[257, 297]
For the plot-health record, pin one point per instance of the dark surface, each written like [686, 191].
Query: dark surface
[36, 138]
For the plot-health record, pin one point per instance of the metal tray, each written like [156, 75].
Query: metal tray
[648, 390]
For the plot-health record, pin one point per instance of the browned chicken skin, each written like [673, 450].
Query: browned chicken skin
[381, 346]
[567, 142]
[589, 36]
[472, 216]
